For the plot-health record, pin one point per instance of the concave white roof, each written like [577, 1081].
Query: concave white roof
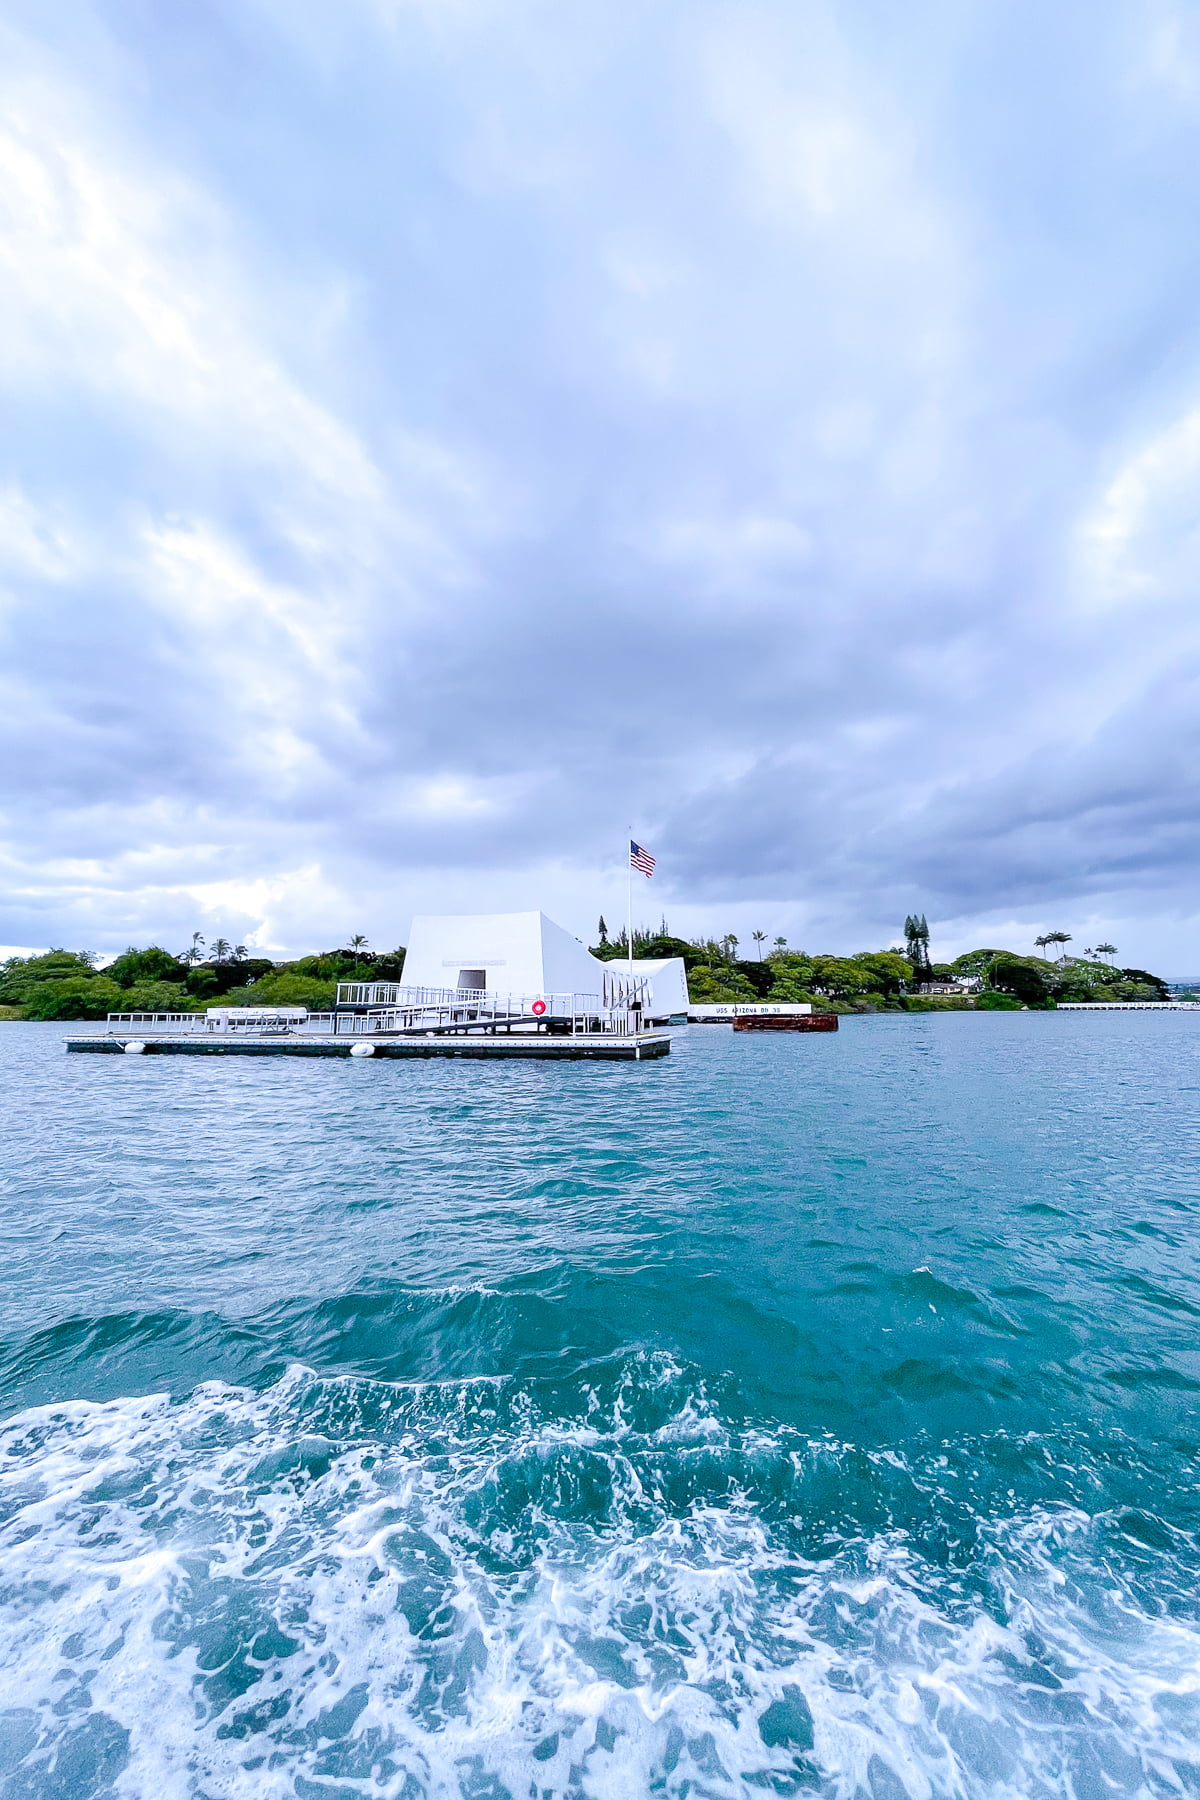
[527, 953]
[516, 953]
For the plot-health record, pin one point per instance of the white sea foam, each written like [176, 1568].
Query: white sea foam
[335, 1588]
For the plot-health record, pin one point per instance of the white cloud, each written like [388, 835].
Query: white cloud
[1142, 543]
[126, 284]
[34, 543]
[736, 546]
[1172, 48]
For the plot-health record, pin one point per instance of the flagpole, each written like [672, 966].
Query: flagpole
[629, 907]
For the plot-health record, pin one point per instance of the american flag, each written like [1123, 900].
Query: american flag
[640, 859]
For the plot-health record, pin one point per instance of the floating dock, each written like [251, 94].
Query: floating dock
[390, 1020]
[583, 1047]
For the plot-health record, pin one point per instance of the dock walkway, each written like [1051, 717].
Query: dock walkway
[582, 1047]
[1129, 1006]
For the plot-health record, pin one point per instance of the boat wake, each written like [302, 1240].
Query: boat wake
[343, 1587]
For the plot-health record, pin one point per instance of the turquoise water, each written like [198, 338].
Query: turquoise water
[811, 1415]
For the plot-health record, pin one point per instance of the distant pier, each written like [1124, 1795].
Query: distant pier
[1129, 1006]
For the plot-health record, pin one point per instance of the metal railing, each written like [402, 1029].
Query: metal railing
[388, 993]
[617, 990]
[438, 1011]
[418, 1012]
[172, 1020]
[226, 1020]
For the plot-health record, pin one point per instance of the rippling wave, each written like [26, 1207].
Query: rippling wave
[798, 1423]
[353, 1587]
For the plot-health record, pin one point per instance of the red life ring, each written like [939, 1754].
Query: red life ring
[538, 1008]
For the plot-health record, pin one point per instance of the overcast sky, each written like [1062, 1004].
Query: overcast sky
[438, 434]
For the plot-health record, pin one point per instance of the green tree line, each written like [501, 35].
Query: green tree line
[884, 979]
[65, 984]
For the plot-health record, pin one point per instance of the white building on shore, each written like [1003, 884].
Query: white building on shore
[527, 953]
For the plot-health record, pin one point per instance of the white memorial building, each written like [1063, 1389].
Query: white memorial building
[527, 953]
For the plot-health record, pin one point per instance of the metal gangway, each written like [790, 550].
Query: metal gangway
[254, 1021]
[380, 1008]
[370, 1008]
[619, 989]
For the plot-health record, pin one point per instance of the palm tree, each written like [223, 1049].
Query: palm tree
[1106, 949]
[781, 943]
[220, 949]
[240, 953]
[358, 944]
[192, 953]
[729, 944]
[760, 938]
[1059, 937]
[1041, 942]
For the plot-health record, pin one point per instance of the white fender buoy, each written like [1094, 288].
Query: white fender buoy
[135, 1048]
[362, 1049]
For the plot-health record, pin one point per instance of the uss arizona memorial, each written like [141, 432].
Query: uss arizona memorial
[525, 953]
[484, 984]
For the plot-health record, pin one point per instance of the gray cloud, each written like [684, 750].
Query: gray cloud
[436, 437]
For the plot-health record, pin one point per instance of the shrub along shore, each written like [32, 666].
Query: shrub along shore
[884, 980]
[65, 984]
